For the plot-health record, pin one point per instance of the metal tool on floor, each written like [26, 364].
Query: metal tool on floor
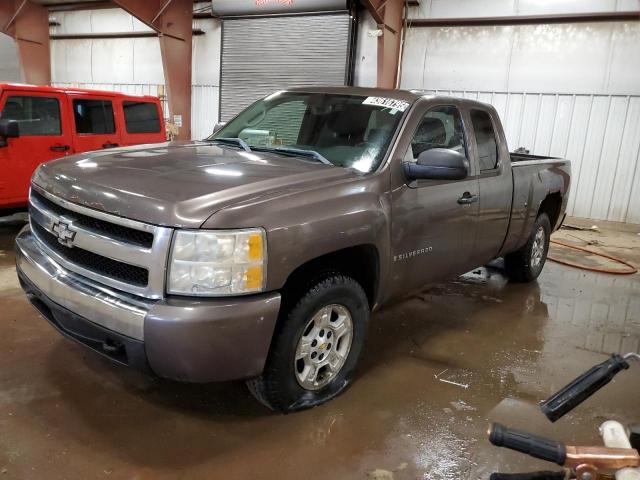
[618, 459]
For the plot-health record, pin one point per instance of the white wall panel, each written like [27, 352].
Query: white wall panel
[205, 101]
[600, 134]
[540, 51]
[600, 57]
[569, 90]
[134, 65]
[112, 59]
[625, 58]
[471, 58]
[366, 65]
[206, 53]
[625, 198]
[9, 63]
[146, 63]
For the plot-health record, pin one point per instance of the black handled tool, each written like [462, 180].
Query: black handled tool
[529, 476]
[523, 442]
[556, 406]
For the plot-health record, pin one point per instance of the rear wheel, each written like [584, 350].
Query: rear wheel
[316, 348]
[526, 264]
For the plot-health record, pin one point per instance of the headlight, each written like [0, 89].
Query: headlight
[215, 263]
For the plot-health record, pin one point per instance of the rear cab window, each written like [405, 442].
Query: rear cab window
[36, 116]
[486, 143]
[93, 116]
[141, 117]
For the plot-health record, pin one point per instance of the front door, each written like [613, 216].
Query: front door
[434, 221]
[44, 135]
[94, 123]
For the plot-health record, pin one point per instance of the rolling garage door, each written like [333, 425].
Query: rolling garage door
[261, 55]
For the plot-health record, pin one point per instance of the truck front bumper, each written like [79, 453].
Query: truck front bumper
[186, 339]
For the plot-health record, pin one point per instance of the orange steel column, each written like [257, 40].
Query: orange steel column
[389, 44]
[28, 24]
[388, 15]
[176, 62]
[173, 20]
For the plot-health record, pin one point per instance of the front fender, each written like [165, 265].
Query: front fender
[304, 225]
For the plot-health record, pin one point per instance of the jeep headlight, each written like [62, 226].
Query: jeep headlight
[216, 263]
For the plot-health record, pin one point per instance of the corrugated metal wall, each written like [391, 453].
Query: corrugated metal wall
[600, 134]
[570, 89]
[204, 101]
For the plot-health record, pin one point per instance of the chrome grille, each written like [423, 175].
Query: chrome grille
[125, 234]
[121, 253]
[105, 266]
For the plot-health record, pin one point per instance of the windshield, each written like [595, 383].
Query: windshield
[346, 130]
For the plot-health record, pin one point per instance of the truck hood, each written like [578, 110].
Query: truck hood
[178, 184]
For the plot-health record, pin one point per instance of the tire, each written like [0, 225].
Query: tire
[525, 265]
[285, 385]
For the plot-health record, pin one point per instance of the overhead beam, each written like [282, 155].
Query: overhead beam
[372, 8]
[69, 7]
[526, 19]
[28, 24]
[110, 35]
[172, 19]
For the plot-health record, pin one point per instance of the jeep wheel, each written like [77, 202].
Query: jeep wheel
[316, 347]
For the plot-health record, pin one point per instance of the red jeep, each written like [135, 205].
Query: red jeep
[38, 124]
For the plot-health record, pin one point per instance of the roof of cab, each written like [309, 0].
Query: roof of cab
[70, 90]
[405, 95]
[395, 94]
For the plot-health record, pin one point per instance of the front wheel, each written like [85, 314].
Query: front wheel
[526, 264]
[316, 346]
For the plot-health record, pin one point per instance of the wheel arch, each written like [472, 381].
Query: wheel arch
[361, 262]
[552, 206]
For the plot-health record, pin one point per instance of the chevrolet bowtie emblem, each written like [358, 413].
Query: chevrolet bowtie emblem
[64, 233]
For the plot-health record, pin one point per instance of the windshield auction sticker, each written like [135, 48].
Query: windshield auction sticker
[400, 105]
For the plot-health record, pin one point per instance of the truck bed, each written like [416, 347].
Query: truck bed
[535, 178]
[518, 158]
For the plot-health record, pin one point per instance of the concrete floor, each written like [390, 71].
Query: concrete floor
[66, 413]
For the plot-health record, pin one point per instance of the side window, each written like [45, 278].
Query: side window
[279, 125]
[485, 140]
[93, 116]
[35, 115]
[141, 117]
[441, 127]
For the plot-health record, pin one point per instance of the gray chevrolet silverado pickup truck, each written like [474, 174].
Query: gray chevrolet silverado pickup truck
[260, 252]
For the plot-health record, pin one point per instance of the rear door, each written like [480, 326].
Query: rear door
[45, 134]
[142, 121]
[94, 122]
[496, 182]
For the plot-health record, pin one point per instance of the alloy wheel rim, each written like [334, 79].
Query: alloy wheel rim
[537, 250]
[323, 347]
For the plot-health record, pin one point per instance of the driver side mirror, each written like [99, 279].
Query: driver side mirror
[8, 129]
[437, 164]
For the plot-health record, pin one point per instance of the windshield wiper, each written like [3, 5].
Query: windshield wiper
[236, 141]
[301, 152]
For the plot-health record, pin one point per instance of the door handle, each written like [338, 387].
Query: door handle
[109, 145]
[467, 198]
[59, 148]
